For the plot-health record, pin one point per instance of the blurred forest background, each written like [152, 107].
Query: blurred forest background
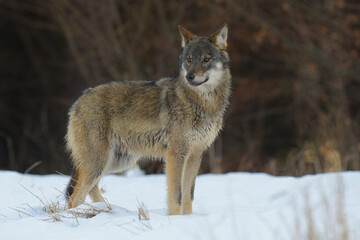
[295, 107]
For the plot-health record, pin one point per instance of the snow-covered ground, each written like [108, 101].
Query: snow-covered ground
[229, 206]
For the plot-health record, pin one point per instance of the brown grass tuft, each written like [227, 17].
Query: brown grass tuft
[143, 212]
[58, 212]
[334, 220]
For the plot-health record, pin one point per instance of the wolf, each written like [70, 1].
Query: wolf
[113, 125]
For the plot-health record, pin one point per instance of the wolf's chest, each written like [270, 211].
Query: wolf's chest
[204, 130]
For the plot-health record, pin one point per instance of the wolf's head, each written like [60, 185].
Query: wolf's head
[204, 60]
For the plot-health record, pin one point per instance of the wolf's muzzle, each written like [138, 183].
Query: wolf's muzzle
[193, 80]
[190, 77]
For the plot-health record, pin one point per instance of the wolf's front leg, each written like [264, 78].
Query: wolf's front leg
[174, 166]
[190, 170]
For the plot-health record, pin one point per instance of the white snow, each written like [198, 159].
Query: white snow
[229, 206]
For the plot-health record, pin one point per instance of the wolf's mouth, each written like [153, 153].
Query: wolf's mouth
[199, 83]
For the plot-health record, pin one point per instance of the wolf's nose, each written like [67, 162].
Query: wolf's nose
[190, 77]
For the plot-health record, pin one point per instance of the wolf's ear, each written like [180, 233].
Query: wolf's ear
[186, 36]
[219, 37]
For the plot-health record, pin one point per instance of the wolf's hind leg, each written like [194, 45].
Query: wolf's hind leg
[81, 188]
[90, 165]
[95, 194]
[86, 182]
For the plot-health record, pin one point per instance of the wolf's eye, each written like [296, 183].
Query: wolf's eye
[188, 59]
[206, 59]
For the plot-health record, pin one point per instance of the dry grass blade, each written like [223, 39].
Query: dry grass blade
[20, 211]
[60, 173]
[32, 167]
[33, 194]
[143, 212]
[31, 208]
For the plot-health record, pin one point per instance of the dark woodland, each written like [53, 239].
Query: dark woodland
[295, 105]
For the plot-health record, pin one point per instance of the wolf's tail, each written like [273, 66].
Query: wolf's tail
[71, 185]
